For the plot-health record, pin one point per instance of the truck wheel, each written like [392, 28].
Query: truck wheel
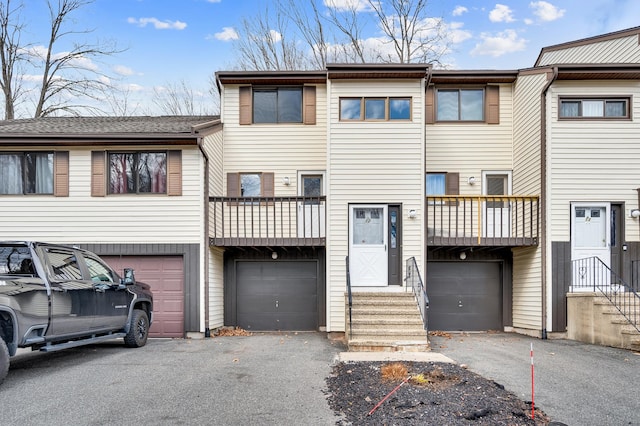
[4, 360]
[138, 330]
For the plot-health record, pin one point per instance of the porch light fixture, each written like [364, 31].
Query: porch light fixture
[286, 181]
[635, 213]
[412, 214]
[274, 255]
[463, 256]
[471, 180]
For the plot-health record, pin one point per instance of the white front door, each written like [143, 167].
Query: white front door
[368, 263]
[590, 237]
[497, 212]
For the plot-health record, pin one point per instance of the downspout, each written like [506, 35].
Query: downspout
[543, 195]
[207, 330]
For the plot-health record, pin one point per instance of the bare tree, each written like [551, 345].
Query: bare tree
[181, 99]
[12, 55]
[334, 32]
[70, 81]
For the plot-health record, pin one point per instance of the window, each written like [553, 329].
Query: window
[98, 271]
[277, 105]
[460, 104]
[138, 173]
[26, 173]
[593, 108]
[375, 109]
[441, 183]
[250, 184]
[64, 265]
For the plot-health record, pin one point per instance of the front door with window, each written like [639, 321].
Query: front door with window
[368, 235]
[497, 212]
[590, 237]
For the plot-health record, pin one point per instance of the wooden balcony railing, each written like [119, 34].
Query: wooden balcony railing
[267, 221]
[491, 220]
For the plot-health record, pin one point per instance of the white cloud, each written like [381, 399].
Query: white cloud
[501, 13]
[459, 10]
[135, 87]
[528, 21]
[342, 5]
[227, 34]
[546, 11]
[158, 24]
[499, 44]
[456, 34]
[275, 36]
[122, 70]
[214, 1]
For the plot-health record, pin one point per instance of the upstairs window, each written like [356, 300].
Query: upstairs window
[138, 173]
[594, 108]
[277, 105]
[460, 104]
[375, 109]
[26, 173]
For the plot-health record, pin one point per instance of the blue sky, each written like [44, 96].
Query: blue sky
[170, 41]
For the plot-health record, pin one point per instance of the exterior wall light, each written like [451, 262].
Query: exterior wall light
[286, 181]
[463, 256]
[635, 213]
[274, 255]
[412, 214]
[471, 180]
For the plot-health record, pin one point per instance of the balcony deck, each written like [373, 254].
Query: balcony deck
[267, 221]
[482, 221]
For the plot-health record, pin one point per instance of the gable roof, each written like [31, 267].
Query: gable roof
[75, 130]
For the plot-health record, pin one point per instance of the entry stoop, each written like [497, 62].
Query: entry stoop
[385, 322]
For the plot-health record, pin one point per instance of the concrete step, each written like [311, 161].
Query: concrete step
[365, 345]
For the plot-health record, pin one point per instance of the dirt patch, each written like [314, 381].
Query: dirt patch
[435, 394]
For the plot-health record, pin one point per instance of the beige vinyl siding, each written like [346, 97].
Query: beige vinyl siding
[81, 218]
[216, 288]
[623, 50]
[470, 148]
[372, 162]
[527, 262]
[283, 149]
[594, 160]
[527, 288]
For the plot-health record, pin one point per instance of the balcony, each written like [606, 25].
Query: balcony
[492, 221]
[267, 221]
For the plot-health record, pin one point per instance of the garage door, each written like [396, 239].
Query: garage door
[277, 295]
[165, 275]
[464, 296]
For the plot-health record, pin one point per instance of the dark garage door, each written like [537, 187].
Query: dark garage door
[277, 295]
[165, 275]
[464, 296]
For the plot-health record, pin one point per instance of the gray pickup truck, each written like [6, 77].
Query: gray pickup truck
[55, 297]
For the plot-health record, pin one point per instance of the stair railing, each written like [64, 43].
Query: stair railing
[592, 274]
[349, 294]
[414, 280]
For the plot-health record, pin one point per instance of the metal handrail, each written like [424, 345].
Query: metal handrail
[592, 274]
[414, 280]
[349, 294]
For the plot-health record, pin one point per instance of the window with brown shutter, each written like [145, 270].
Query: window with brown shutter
[174, 173]
[61, 173]
[246, 184]
[472, 104]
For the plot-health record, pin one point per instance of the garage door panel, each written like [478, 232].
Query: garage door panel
[277, 295]
[464, 296]
[165, 275]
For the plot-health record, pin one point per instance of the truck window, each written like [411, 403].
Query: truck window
[63, 264]
[16, 260]
[100, 273]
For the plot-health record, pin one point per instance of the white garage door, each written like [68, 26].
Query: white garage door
[165, 275]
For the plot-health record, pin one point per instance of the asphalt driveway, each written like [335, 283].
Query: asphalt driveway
[575, 383]
[264, 379]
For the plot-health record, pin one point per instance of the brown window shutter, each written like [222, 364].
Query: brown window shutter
[429, 105]
[98, 173]
[309, 95]
[233, 185]
[61, 174]
[245, 105]
[174, 173]
[268, 187]
[453, 183]
[493, 104]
